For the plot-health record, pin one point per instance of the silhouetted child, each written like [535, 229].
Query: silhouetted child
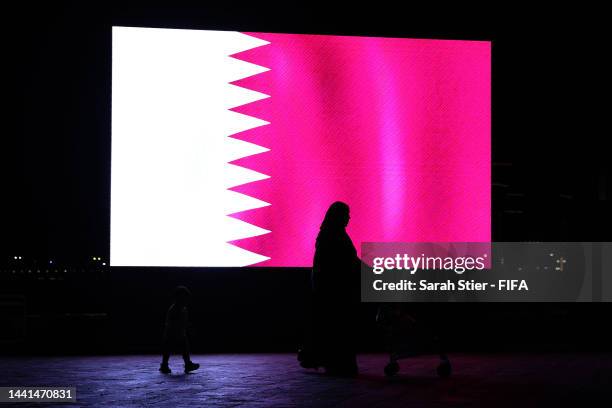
[175, 331]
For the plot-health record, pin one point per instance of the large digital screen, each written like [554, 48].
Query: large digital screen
[228, 147]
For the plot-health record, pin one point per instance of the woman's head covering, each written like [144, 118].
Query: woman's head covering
[336, 217]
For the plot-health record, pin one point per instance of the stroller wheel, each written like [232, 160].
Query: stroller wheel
[444, 369]
[391, 369]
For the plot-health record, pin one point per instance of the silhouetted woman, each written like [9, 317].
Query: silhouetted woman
[336, 296]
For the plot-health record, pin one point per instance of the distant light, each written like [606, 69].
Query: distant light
[50, 262]
[15, 257]
[94, 258]
[103, 263]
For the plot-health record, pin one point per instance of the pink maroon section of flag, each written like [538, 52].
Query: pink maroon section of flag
[399, 129]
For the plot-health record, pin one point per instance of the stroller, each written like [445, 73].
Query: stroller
[406, 337]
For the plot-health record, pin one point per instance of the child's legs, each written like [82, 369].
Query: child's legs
[166, 346]
[172, 341]
[186, 357]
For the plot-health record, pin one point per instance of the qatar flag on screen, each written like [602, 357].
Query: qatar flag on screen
[228, 147]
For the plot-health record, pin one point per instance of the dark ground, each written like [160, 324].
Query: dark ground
[254, 380]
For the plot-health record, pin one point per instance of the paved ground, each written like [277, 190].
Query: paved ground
[275, 380]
